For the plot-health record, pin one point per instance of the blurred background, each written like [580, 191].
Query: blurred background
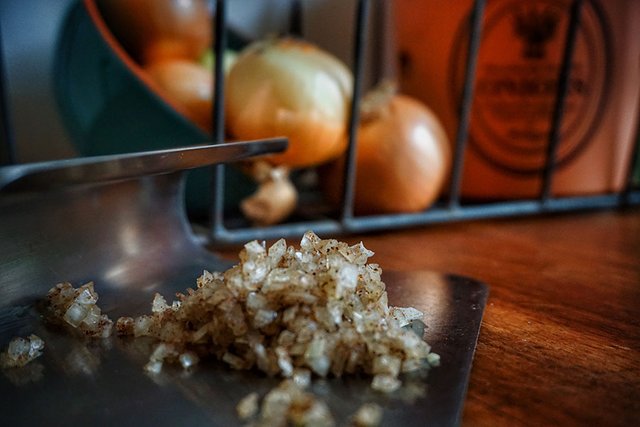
[434, 134]
[31, 31]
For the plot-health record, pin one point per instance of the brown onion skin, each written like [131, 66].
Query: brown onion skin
[154, 30]
[188, 85]
[402, 160]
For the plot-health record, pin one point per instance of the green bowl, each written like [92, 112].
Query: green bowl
[109, 107]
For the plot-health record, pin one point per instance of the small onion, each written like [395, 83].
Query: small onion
[291, 88]
[276, 196]
[402, 159]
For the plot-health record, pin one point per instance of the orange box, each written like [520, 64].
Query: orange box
[516, 84]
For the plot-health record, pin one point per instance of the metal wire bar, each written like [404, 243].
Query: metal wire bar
[436, 215]
[359, 47]
[483, 211]
[220, 45]
[295, 18]
[561, 95]
[377, 61]
[241, 235]
[462, 135]
[7, 147]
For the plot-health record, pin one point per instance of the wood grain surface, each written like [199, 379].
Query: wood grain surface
[560, 340]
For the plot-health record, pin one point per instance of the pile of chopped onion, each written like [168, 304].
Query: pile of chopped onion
[21, 351]
[78, 308]
[320, 307]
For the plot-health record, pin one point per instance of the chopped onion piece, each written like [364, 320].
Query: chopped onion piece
[159, 304]
[188, 359]
[302, 378]
[153, 367]
[248, 406]
[368, 415]
[78, 308]
[385, 383]
[433, 359]
[21, 351]
[404, 316]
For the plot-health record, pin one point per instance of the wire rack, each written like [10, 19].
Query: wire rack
[448, 209]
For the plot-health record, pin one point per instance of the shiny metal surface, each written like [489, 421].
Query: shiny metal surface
[102, 382]
[117, 219]
[131, 237]
[99, 169]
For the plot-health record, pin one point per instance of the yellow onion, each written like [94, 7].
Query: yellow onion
[291, 88]
[188, 86]
[154, 30]
[402, 159]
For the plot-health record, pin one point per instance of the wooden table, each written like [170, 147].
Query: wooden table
[560, 340]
